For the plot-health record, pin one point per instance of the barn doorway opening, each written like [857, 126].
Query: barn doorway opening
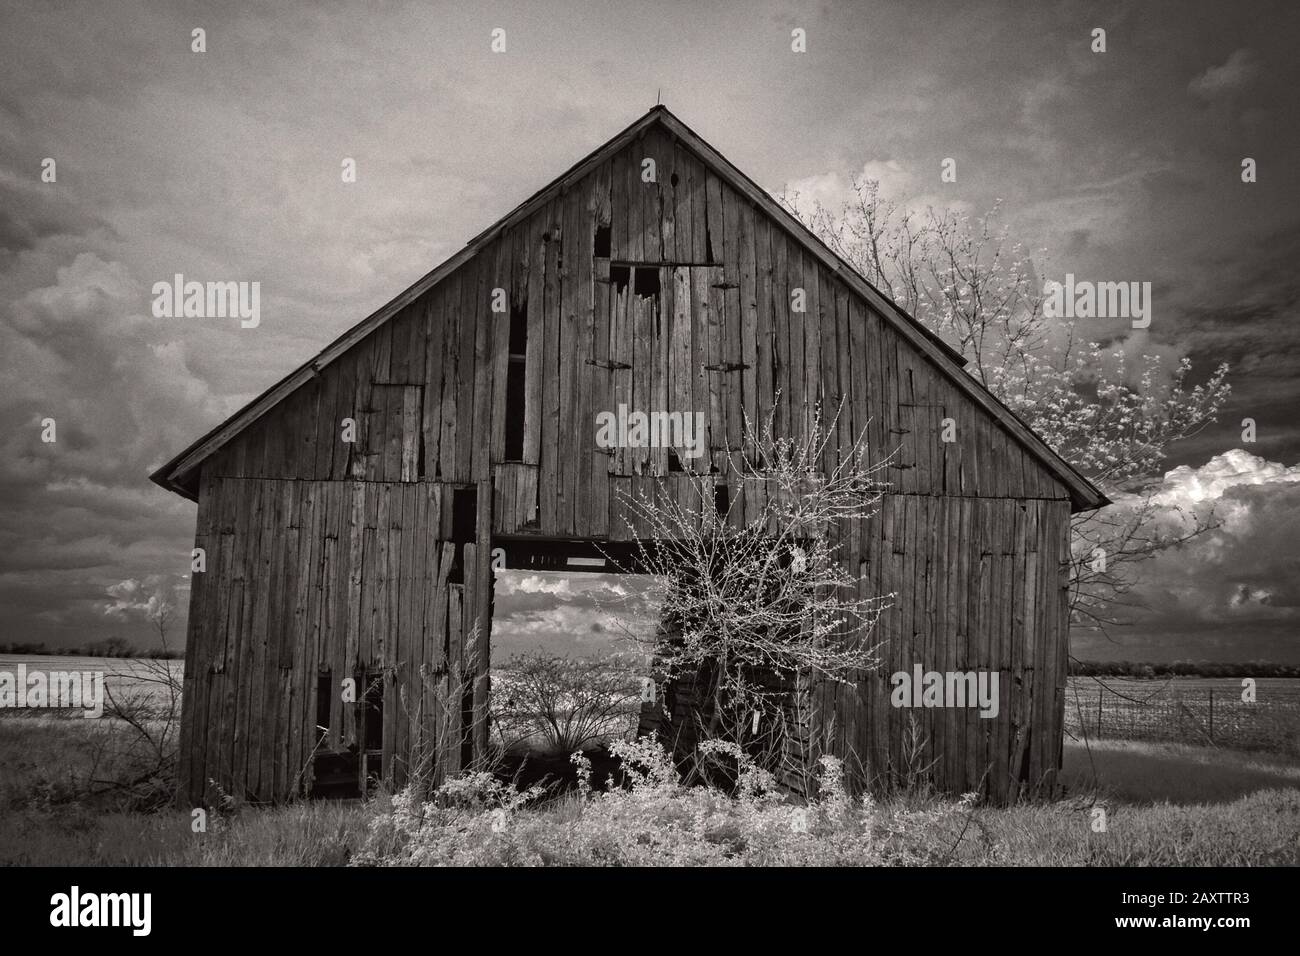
[572, 638]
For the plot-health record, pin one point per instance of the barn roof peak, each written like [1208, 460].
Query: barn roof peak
[180, 474]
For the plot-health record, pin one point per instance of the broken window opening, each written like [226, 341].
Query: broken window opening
[645, 282]
[619, 277]
[644, 279]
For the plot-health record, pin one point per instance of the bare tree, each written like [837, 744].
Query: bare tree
[147, 697]
[754, 610]
[563, 703]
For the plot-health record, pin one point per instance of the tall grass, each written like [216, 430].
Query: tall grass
[478, 821]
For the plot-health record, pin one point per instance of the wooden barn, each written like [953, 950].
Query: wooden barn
[348, 514]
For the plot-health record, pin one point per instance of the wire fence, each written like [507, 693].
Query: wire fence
[1201, 716]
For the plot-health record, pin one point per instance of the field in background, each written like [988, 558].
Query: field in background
[1202, 710]
[124, 677]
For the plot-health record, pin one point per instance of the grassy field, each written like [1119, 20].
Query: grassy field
[94, 792]
[1165, 805]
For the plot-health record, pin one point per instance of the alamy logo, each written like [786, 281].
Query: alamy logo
[1098, 300]
[53, 689]
[75, 908]
[924, 688]
[624, 429]
[208, 300]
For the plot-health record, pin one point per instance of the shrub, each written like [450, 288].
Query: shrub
[558, 705]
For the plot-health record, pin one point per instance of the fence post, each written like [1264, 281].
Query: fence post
[1211, 715]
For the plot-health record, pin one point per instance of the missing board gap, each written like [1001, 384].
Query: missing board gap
[519, 327]
[603, 241]
[516, 369]
[464, 515]
[372, 709]
[324, 695]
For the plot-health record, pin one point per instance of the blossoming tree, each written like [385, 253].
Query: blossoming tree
[1110, 413]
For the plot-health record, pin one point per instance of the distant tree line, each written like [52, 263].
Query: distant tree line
[1182, 669]
[108, 647]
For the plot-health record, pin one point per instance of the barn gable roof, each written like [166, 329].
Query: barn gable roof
[181, 472]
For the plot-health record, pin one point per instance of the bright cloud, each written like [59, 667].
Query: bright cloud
[1247, 569]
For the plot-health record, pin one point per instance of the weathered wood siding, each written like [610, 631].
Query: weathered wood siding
[324, 553]
[346, 577]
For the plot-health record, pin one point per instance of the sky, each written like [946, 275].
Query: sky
[225, 165]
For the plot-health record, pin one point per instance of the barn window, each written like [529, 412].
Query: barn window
[515, 373]
[644, 279]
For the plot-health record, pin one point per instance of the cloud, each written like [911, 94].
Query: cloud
[81, 521]
[899, 183]
[1243, 574]
[570, 614]
[135, 596]
[1235, 74]
[1189, 486]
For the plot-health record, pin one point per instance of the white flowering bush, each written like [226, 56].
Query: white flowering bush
[655, 820]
